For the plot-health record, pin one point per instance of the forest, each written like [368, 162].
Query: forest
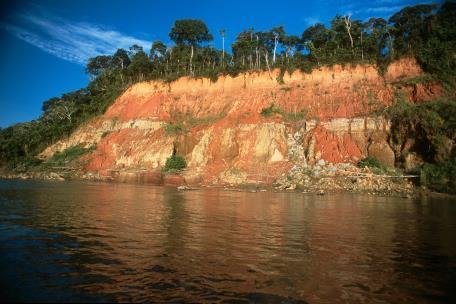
[426, 32]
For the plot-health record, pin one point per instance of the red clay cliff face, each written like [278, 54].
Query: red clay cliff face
[231, 141]
[325, 93]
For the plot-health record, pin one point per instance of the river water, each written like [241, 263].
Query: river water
[75, 241]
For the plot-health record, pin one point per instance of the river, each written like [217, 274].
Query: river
[81, 241]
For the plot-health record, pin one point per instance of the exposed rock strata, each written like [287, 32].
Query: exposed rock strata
[231, 141]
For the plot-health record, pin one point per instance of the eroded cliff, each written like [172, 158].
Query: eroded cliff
[218, 126]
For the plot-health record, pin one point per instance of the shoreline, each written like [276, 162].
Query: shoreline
[312, 189]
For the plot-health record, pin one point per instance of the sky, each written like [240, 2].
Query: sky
[45, 44]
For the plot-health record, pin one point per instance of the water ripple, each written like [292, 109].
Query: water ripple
[137, 243]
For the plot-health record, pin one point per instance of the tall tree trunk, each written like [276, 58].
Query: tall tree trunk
[390, 43]
[257, 54]
[276, 38]
[267, 62]
[223, 49]
[348, 27]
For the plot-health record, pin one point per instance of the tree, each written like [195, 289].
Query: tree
[278, 33]
[134, 49]
[190, 32]
[315, 38]
[408, 26]
[158, 50]
[243, 47]
[98, 65]
[291, 42]
[348, 26]
[376, 41]
[140, 64]
[120, 59]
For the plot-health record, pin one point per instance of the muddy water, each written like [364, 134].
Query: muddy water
[71, 241]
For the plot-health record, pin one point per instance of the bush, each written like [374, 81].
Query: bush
[175, 163]
[68, 155]
[440, 177]
[287, 116]
[431, 124]
[177, 128]
[294, 116]
[266, 112]
[370, 162]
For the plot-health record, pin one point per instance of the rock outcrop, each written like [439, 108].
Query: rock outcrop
[225, 138]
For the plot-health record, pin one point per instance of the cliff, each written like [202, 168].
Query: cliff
[218, 126]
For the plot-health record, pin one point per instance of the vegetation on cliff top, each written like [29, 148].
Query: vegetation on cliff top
[426, 32]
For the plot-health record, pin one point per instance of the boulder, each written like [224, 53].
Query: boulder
[412, 161]
[382, 152]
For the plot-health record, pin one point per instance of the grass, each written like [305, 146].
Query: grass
[287, 116]
[175, 128]
[184, 122]
[426, 78]
[68, 155]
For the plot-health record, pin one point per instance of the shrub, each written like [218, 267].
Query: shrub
[68, 155]
[431, 124]
[174, 163]
[280, 77]
[266, 112]
[287, 116]
[176, 128]
[294, 116]
[370, 162]
[440, 177]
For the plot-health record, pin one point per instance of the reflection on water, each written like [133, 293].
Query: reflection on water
[116, 242]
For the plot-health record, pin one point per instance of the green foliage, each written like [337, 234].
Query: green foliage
[202, 121]
[267, 112]
[105, 133]
[287, 116]
[280, 77]
[234, 171]
[376, 167]
[370, 162]
[68, 155]
[182, 123]
[174, 163]
[175, 128]
[190, 32]
[440, 177]
[426, 78]
[431, 124]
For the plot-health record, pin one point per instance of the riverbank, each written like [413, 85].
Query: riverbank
[321, 178]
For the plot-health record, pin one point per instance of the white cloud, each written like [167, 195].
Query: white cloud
[382, 9]
[386, 7]
[388, 1]
[75, 42]
[311, 20]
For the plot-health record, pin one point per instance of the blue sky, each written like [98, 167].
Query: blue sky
[45, 44]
